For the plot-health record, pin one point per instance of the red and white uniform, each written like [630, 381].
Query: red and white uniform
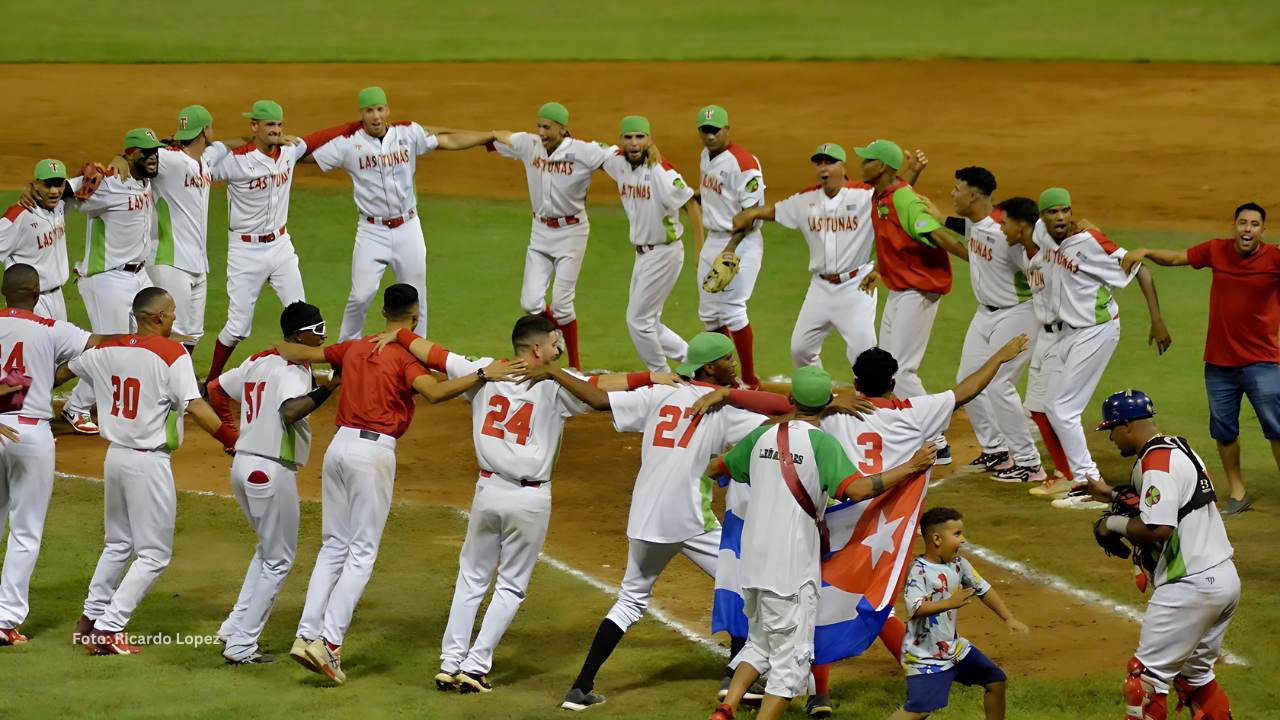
[388, 229]
[34, 346]
[841, 237]
[1079, 276]
[142, 385]
[264, 483]
[517, 429]
[38, 237]
[375, 408]
[998, 276]
[729, 183]
[652, 195]
[179, 257]
[558, 184]
[898, 428]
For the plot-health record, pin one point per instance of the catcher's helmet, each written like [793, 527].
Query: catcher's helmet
[1125, 406]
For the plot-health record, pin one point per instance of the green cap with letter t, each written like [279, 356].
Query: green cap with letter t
[713, 116]
[829, 150]
[141, 138]
[811, 386]
[50, 169]
[192, 120]
[704, 348]
[886, 151]
[269, 110]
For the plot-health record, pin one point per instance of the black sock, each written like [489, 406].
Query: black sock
[606, 639]
[735, 646]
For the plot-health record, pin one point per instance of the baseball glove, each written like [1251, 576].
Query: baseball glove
[13, 391]
[1125, 501]
[92, 175]
[1111, 544]
[722, 273]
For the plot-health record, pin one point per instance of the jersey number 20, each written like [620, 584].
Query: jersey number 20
[500, 420]
[124, 396]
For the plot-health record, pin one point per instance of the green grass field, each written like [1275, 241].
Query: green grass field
[405, 30]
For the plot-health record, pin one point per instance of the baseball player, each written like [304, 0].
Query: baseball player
[730, 181]
[1197, 589]
[834, 217]
[793, 468]
[381, 157]
[143, 385]
[911, 251]
[275, 397]
[360, 468]
[31, 347]
[558, 168]
[653, 192]
[37, 236]
[1081, 268]
[259, 175]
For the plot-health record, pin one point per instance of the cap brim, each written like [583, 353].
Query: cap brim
[862, 153]
[187, 134]
[716, 125]
[1106, 425]
[148, 145]
[814, 157]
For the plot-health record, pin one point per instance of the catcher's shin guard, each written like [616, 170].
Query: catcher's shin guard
[1207, 702]
[1141, 701]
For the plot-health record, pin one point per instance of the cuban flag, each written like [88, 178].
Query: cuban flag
[870, 548]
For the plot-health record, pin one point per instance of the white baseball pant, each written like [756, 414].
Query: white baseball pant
[378, 247]
[108, 300]
[505, 533]
[1037, 380]
[645, 563]
[653, 277]
[728, 308]
[1185, 622]
[905, 325]
[996, 414]
[189, 291]
[249, 267]
[26, 484]
[843, 308]
[52, 305]
[553, 252]
[358, 477]
[139, 509]
[1072, 368]
[267, 492]
[780, 638]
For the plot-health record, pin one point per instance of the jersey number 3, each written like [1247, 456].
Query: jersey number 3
[664, 431]
[872, 447]
[124, 396]
[500, 420]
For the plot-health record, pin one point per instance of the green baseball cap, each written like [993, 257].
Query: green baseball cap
[141, 138]
[634, 124]
[704, 348]
[713, 115]
[371, 96]
[886, 151]
[555, 112]
[192, 120]
[265, 110]
[831, 150]
[50, 169]
[1053, 197]
[811, 386]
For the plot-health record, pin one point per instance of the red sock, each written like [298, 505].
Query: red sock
[744, 341]
[723, 330]
[221, 354]
[546, 313]
[1052, 444]
[570, 332]
[892, 633]
[821, 678]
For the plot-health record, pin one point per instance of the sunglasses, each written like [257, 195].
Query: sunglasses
[317, 328]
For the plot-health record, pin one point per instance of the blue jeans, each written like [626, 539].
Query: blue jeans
[1225, 386]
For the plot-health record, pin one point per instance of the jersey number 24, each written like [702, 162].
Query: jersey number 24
[500, 420]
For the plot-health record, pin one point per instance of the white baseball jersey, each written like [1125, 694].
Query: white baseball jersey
[257, 186]
[182, 208]
[838, 229]
[121, 224]
[1033, 269]
[381, 169]
[1080, 274]
[652, 195]
[37, 237]
[35, 346]
[1166, 480]
[142, 385]
[730, 182]
[997, 271]
[261, 385]
[558, 182]
[891, 435]
[671, 501]
[516, 426]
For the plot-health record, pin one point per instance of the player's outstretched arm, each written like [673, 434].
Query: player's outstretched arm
[209, 421]
[593, 394]
[294, 409]
[464, 139]
[440, 390]
[970, 387]
[951, 242]
[859, 487]
[1167, 258]
[615, 382]
[1158, 334]
[743, 221]
[994, 602]
[299, 353]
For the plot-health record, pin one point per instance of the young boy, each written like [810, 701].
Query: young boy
[933, 655]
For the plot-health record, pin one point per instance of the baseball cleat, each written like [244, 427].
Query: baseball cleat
[11, 636]
[1020, 474]
[258, 658]
[110, 644]
[81, 422]
[987, 461]
[818, 706]
[328, 659]
[1079, 499]
[944, 456]
[1057, 488]
[473, 683]
[84, 628]
[724, 712]
[299, 653]
[577, 700]
[446, 681]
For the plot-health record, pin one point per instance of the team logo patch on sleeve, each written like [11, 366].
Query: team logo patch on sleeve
[753, 184]
[1153, 496]
[678, 183]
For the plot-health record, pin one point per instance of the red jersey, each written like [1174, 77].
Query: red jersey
[1244, 302]
[377, 388]
[905, 256]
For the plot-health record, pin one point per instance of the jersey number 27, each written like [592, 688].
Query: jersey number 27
[664, 431]
[500, 420]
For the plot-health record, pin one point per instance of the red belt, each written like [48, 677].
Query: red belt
[24, 420]
[555, 222]
[523, 483]
[839, 277]
[269, 237]
[392, 223]
[642, 249]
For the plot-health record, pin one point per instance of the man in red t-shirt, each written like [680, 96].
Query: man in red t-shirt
[1241, 354]
[375, 408]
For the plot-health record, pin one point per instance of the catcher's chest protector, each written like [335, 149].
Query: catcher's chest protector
[1203, 494]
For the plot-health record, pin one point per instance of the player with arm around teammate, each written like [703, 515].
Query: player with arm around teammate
[37, 236]
[653, 192]
[1197, 589]
[275, 398]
